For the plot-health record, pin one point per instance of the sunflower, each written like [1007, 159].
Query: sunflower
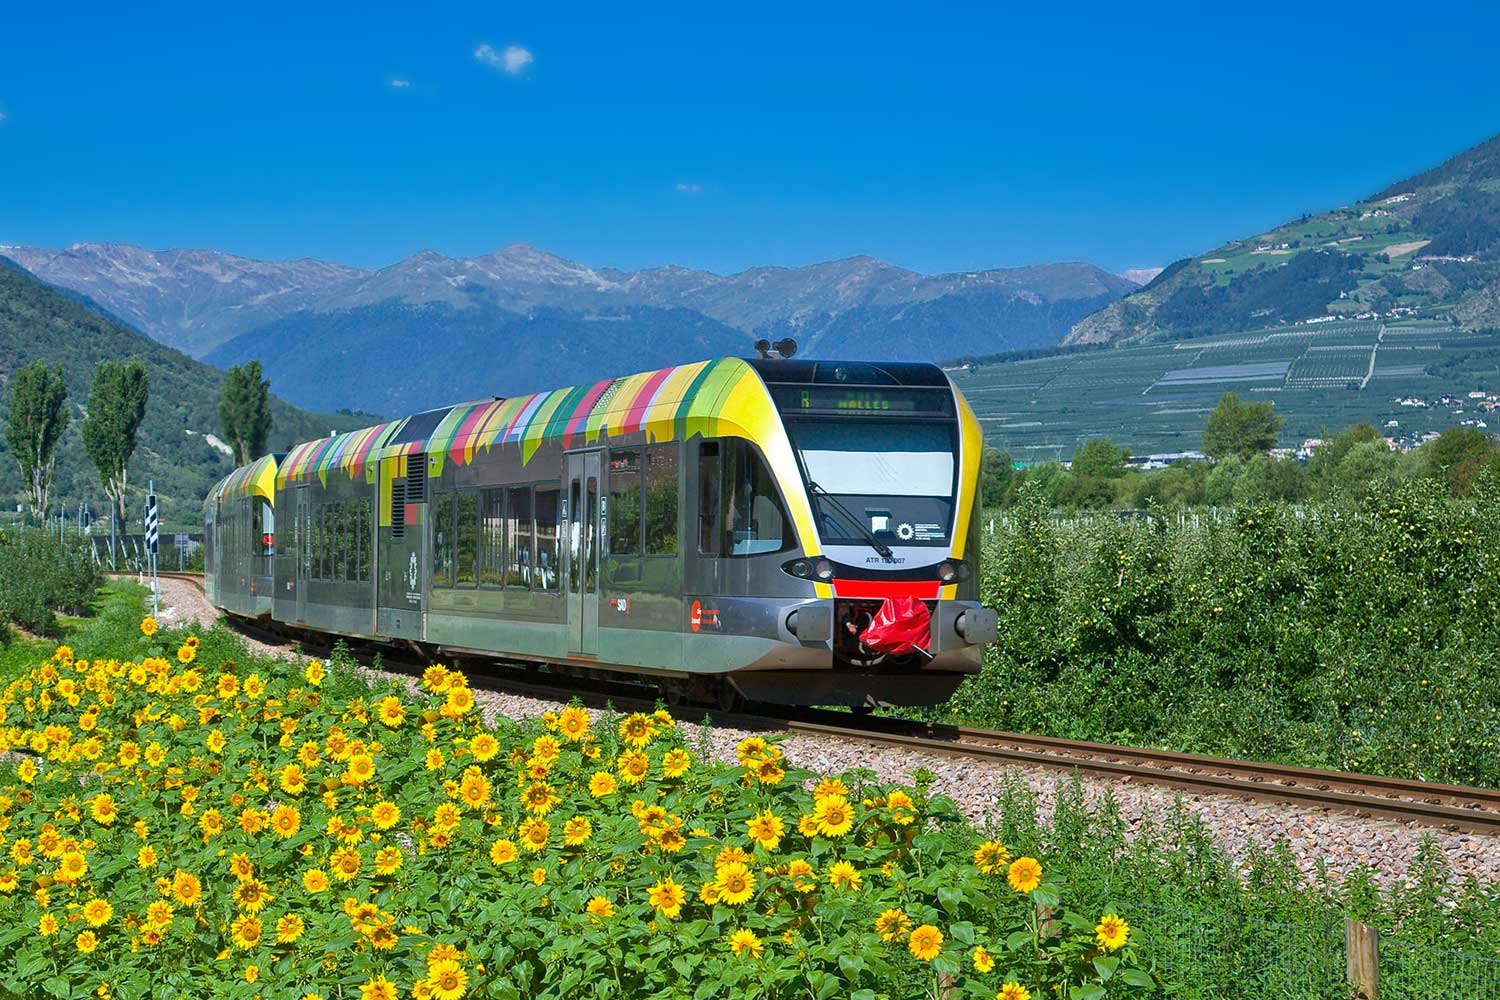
[285, 820]
[186, 653]
[544, 750]
[573, 723]
[730, 854]
[293, 779]
[534, 834]
[345, 863]
[97, 912]
[289, 928]
[833, 816]
[433, 760]
[830, 786]
[102, 807]
[667, 897]
[159, 914]
[577, 831]
[241, 867]
[87, 942]
[671, 840]
[446, 816]
[384, 937]
[744, 941]
[446, 979]
[903, 810]
[892, 925]
[474, 789]
[675, 762]
[637, 729]
[388, 860]
[484, 747]
[983, 960]
[148, 626]
[72, 867]
[216, 741]
[315, 880]
[600, 907]
[47, 925]
[460, 701]
[843, 875]
[1111, 932]
[252, 896]
[735, 882]
[1025, 874]
[186, 887]
[246, 932]
[390, 711]
[1013, 991]
[538, 876]
[766, 829]
[539, 798]
[769, 772]
[601, 783]
[991, 857]
[925, 942]
[379, 988]
[503, 852]
[804, 878]
[360, 769]
[633, 765]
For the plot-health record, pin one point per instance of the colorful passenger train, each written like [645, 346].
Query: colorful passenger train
[722, 530]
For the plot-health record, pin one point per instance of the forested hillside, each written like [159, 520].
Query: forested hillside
[40, 322]
[1426, 247]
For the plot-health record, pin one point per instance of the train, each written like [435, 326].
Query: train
[722, 531]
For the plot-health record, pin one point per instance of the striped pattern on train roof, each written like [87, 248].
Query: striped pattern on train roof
[669, 404]
[256, 479]
[349, 452]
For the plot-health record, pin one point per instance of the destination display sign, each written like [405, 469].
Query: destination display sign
[861, 399]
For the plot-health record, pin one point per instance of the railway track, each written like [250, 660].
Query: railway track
[1451, 807]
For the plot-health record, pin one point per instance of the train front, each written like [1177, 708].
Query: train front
[887, 457]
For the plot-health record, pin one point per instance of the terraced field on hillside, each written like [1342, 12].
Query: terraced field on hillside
[1322, 378]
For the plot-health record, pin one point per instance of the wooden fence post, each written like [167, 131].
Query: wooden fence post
[1362, 942]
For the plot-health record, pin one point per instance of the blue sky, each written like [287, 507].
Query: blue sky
[939, 137]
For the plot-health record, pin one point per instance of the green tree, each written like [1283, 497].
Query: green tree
[117, 405]
[245, 412]
[996, 470]
[1101, 458]
[1239, 428]
[1456, 456]
[38, 417]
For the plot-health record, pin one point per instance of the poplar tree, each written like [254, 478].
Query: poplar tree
[38, 418]
[245, 412]
[117, 405]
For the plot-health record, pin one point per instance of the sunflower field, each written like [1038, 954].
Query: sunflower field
[175, 824]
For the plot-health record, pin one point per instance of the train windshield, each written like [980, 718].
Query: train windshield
[887, 479]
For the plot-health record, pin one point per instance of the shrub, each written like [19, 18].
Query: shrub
[40, 574]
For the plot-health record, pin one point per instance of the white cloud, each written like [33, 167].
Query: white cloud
[689, 188]
[513, 59]
[2, 117]
[400, 84]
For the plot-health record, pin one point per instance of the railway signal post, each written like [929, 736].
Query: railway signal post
[153, 530]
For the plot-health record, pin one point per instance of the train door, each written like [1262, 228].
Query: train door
[582, 573]
[302, 558]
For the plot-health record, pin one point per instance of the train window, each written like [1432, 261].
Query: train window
[518, 534]
[341, 546]
[708, 498]
[590, 538]
[754, 521]
[573, 518]
[468, 537]
[546, 539]
[661, 500]
[442, 540]
[363, 510]
[492, 538]
[325, 542]
[624, 528]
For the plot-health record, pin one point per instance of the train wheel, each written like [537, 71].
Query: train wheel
[729, 699]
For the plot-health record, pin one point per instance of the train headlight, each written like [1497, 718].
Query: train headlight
[810, 569]
[950, 571]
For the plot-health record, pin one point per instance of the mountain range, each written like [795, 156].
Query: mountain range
[1427, 247]
[178, 448]
[432, 329]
